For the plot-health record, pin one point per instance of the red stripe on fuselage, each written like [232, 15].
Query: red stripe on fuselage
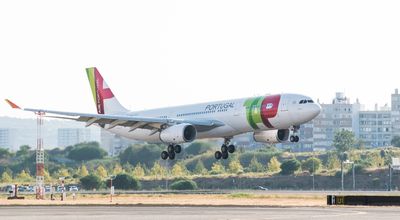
[269, 109]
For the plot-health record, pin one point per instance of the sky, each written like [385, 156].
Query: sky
[165, 53]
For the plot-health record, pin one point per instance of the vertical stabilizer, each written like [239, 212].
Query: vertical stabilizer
[106, 102]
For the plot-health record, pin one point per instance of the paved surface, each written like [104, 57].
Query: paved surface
[195, 213]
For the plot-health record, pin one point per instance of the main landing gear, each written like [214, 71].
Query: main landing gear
[294, 138]
[171, 151]
[226, 149]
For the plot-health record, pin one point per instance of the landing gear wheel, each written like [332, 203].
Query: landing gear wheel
[231, 148]
[172, 155]
[292, 138]
[297, 139]
[171, 149]
[178, 149]
[218, 155]
[164, 155]
[225, 155]
[224, 148]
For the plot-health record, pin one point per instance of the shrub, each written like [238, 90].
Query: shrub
[290, 166]
[125, 181]
[311, 165]
[91, 182]
[184, 185]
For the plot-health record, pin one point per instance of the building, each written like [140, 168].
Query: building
[72, 136]
[395, 113]
[340, 114]
[114, 144]
[7, 138]
[375, 128]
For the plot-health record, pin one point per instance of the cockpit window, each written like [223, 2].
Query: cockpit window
[304, 101]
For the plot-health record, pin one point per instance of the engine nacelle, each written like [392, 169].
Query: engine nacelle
[177, 134]
[272, 136]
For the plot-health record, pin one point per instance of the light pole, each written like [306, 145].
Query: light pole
[112, 177]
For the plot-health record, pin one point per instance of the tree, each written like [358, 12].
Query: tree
[63, 173]
[288, 167]
[101, 172]
[83, 171]
[312, 164]
[344, 140]
[158, 170]
[117, 169]
[91, 182]
[125, 181]
[24, 176]
[47, 176]
[23, 151]
[128, 168]
[198, 147]
[179, 169]
[396, 141]
[86, 151]
[138, 171]
[4, 153]
[235, 166]
[255, 166]
[6, 178]
[200, 169]
[217, 168]
[333, 161]
[274, 165]
[144, 154]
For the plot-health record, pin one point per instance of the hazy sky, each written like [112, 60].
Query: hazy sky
[163, 53]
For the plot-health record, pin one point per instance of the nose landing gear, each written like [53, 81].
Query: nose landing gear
[226, 149]
[171, 152]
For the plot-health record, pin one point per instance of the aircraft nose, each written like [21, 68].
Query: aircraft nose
[316, 109]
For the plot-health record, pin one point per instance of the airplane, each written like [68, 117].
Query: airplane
[271, 119]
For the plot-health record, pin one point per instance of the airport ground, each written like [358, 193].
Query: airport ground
[195, 212]
[201, 205]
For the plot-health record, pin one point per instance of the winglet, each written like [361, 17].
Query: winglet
[12, 104]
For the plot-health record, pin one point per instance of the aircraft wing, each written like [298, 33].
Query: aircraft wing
[132, 121]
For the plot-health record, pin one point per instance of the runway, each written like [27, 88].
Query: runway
[195, 213]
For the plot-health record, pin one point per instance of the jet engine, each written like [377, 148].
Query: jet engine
[178, 134]
[272, 136]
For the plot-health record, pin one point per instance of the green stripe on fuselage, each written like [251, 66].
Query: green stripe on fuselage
[253, 111]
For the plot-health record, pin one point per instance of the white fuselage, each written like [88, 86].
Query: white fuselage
[238, 116]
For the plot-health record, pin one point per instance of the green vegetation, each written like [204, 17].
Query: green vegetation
[140, 163]
[396, 141]
[198, 147]
[288, 167]
[126, 182]
[344, 141]
[184, 185]
[86, 151]
[144, 154]
[311, 165]
[91, 182]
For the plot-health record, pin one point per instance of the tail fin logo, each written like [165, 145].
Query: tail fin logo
[100, 89]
